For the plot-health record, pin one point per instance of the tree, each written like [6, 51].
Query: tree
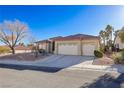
[12, 32]
[34, 45]
[32, 39]
[21, 44]
[109, 30]
[102, 35]
[116, 33]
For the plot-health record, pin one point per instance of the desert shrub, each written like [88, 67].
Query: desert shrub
[121, 50]
[122, 53]
[4, 50]
[118, 57]
[98, 53]
[102, 49]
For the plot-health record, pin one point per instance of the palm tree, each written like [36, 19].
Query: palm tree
[116, 33]
[109, 30]
[102, 35]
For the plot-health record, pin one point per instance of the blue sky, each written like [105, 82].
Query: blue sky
[49, 21]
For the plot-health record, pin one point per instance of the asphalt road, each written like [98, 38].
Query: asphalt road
[61, 79]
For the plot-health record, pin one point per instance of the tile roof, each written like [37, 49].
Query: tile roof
[70, 37]
[77, 37]
[55, 38]
[47, 41]
[43, 41]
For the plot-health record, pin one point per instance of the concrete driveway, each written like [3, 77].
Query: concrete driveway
[64, 61]
[51, 63]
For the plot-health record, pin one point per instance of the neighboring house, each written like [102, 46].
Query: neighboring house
[19, 48]
[118, 43]
[22, 49]
[79, 44]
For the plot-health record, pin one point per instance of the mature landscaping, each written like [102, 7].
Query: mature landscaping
[109, 53]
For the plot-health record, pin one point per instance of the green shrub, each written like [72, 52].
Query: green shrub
[122, 54]
[102, 49]
[98, 53]
[121, 49]
[4, 50]
[118, 57]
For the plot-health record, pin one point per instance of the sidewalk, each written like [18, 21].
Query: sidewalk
[113, 68]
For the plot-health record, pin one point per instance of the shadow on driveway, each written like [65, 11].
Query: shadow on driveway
[106, 81]
[25, 67]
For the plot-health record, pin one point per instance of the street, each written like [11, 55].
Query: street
[61, 79]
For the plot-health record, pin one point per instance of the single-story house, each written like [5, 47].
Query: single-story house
[79, 44]
[47, 45]
[22, 49]
[19, 48]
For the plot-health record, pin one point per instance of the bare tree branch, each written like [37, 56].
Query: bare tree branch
[12, 32]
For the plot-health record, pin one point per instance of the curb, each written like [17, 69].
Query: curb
[93, 69]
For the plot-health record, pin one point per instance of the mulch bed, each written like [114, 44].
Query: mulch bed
[22, 57]
[103, 61]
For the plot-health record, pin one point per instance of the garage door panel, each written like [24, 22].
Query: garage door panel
[88, 49]
[68, 49]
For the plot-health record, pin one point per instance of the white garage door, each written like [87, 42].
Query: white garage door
[88, 49]
[68, 49]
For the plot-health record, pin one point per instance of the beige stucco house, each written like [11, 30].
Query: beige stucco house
[78, 44]
[118, 43]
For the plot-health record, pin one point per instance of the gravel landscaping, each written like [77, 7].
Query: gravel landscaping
[103, 61]
[22, 57]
